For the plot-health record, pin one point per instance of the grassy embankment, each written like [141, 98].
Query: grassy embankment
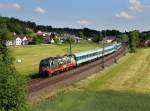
[121, 87]
[31, 55]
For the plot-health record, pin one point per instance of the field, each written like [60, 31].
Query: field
[31, 55]
[121, 87]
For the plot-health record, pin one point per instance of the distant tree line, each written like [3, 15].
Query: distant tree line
[24, 27]
[29, 28]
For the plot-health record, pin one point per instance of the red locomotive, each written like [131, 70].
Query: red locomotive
[53, 65]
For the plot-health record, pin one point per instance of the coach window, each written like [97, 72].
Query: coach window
[84, 57]
[78, 58]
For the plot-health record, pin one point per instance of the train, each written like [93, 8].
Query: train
[53, 65]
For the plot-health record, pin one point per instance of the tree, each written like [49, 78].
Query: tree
[122, 38]
[97, 37]
[70, 40]
[133, 40]
[12, 85]
[144, 36]
[38, 39]
[81, 34]
[57, 40]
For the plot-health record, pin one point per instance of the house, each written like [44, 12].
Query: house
[64, 38]
[17, 41]
[40, 33]
[78, 39]
[47, 40]
[110, 39]
[31, 41]
[20, 40]
[9, 43]
[147, 43]
[44, 34]
[52, 41]
[24, 41]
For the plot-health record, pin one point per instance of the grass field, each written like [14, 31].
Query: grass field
[121, 87]
[31, 55]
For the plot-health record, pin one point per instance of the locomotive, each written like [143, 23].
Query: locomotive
[53, 65]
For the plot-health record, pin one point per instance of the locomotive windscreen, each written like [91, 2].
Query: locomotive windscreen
[44, 63]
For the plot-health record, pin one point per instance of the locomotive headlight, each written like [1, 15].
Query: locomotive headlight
[64, 66]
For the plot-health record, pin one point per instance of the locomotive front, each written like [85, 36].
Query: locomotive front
[53, 65]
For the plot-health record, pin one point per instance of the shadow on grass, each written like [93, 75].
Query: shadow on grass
[107, 100]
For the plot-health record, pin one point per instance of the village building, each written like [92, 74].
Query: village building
[52, 41]
[47, 40]
[78, 39]
[31, 41]
[9, 43]
[17, 41]
[24, 41]
[147, 43]
[110, 39]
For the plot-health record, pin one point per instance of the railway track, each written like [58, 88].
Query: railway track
[36, 88]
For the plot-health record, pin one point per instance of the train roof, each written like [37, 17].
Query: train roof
[50, 58]
[82, 53]
[93, 51]
[59, 57]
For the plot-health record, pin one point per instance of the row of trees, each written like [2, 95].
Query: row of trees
[23, 27]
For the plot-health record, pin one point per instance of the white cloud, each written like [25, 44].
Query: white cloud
[124, 15]
[83, 22]
[40, 10]
[136, 5]
[10, 6]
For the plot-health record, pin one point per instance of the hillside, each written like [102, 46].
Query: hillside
[121, 87]
[25, 27]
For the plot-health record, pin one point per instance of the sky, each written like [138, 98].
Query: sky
[123, 15]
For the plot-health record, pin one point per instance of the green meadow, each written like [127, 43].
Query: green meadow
[124, 86]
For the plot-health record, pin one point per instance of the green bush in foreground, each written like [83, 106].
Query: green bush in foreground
[12, 87]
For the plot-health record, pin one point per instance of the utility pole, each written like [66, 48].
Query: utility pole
[115, 48]
[115, 53]
[70, 46]
[103, 61]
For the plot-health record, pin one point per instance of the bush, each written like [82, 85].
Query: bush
[133, 40]
[12, 85]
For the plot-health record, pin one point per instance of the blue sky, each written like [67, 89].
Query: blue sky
[96, 14]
